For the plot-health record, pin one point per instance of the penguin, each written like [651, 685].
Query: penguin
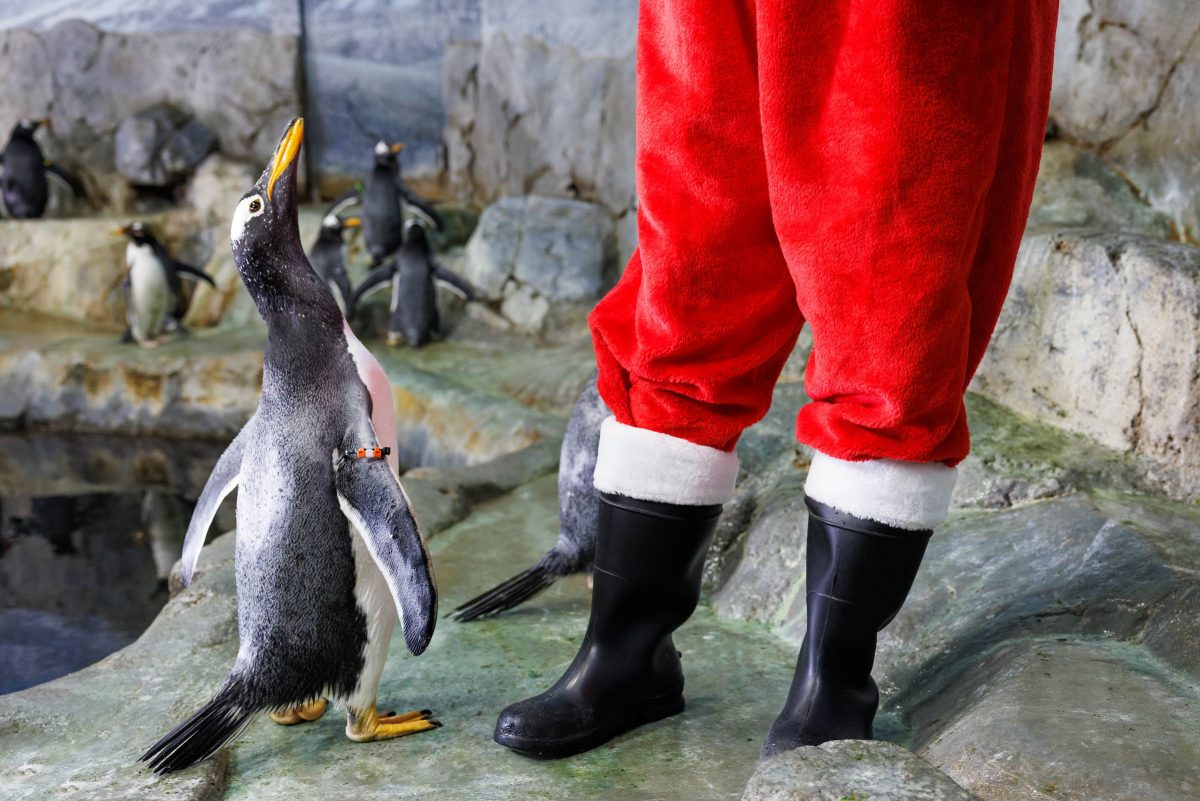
[154, 300]
[383, 201]
[25, 174]
[329, 555]
[413, 314]
[578, 508]
[328, 258]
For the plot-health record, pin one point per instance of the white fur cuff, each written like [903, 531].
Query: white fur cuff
[909, 495]
[643, 464]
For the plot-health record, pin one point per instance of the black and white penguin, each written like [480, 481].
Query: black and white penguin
[578, 510]
[329, 555]
[154, 299]
[328, 258]
[383, 202]
[25, 174]
[413, 316]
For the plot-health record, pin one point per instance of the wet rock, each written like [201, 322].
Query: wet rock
[850, 769]
[536, 253]
[1053, 720]
[240, 82]
[161, 146]
[1088, 313]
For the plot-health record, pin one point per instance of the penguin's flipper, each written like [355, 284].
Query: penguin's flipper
[351, 197]
[373, 500]
[195, 272]
[456, 283]
[224, 477]
[68, 180]
[415, 200]
[508, 594]
[342, 281]
[374, 280]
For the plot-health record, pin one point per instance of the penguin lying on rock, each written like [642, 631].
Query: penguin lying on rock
[329, 555]
[414, 314]
[383, 201]
[328, 257]
[154, 300]
[578, 508]
[25, 174]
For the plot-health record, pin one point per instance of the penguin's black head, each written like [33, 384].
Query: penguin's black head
[385, 154]
[265, 234]
[26, 127]
[336, 224]
[137, 232]
[415, 236]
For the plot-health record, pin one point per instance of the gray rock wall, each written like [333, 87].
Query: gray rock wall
[240, 82]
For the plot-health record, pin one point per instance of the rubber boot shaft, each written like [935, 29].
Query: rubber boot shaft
[859, 574]
[649, 561]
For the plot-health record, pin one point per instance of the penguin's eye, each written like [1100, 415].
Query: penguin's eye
[255, 206]
[248, 209]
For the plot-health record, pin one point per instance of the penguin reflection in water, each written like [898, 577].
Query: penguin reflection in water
[26, 174]
[328, 552]
[154, 299]
[414, 316]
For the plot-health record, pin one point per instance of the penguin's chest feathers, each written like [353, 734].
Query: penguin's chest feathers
[150, 294]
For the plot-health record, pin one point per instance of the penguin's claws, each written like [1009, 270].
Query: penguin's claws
[306, 713]
[364, 726]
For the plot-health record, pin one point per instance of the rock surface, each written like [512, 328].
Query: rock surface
[1126, 82]
[161, 146]
[536, 253]
[239, 82]
[1101, 336]
[849, 769]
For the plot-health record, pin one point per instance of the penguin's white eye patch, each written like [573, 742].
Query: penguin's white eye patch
[248, 209]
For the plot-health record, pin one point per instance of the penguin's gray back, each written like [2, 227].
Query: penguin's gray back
[150, 296]
[414, 311]
[383, 213]
[578, 498]
[24, 184]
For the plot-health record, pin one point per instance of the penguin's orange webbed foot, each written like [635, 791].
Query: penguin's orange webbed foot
[305, 713]
[366, 725]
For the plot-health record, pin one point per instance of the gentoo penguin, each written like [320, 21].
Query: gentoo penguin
[25, 173]
[154, 301]
[414, 314]
[328, 257]
[578, 510]
[328, 552]
[383, 205]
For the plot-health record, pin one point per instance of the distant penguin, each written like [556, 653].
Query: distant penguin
[413, 316]
[328, 554]
[383, 205]
[154, 301]
[328, 257]
[578, 510]
[25, 174]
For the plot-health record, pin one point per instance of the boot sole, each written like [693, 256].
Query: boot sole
[576, 743]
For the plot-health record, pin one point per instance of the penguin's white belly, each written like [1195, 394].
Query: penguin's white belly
[374, 598]
[149, 295]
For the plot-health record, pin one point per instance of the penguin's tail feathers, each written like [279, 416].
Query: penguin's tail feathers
[513, 592]
[218, 723]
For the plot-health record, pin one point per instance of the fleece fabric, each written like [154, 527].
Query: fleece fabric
[865, 166]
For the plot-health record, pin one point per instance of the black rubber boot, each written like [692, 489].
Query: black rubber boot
[649, 559]
[859, 573]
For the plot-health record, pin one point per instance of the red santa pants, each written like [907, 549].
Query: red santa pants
[865, 166]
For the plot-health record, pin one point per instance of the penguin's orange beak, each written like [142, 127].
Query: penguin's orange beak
[397, 147]
[122, 231]
[352, 222]
[285, 153]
